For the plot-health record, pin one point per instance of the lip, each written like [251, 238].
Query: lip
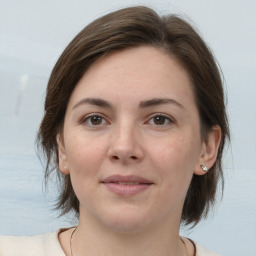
[126, 185]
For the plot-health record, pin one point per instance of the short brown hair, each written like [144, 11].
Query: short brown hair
[127, 28]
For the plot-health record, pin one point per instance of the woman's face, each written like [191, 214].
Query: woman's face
[131, 140]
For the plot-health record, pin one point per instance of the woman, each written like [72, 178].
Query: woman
[135, 126]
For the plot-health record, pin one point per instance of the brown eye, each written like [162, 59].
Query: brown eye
[96, 120]
[159, 120]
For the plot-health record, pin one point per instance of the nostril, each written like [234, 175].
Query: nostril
[123, 157]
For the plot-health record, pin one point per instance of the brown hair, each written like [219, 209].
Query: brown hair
[122, 29]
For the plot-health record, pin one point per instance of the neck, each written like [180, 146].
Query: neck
[93, 239]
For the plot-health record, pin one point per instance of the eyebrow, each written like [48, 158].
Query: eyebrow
[93, 101]
[159, 101]
[144, 104]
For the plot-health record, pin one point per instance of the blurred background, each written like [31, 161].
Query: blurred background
[33, 33]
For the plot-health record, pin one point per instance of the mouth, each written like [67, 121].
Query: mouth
[126, 185]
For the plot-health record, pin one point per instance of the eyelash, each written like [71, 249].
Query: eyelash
[166, 118]
[87, 119]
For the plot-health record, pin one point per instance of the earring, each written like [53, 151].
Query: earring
[204, 168]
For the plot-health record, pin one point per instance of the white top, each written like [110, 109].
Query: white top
[49, 245]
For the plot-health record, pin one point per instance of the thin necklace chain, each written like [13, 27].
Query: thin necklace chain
[71, 252]
[71, 241]
[184, 246]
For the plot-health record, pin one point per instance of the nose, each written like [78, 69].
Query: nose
[126, 145]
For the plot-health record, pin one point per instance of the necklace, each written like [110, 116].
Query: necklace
[184, 245]
[70, 241]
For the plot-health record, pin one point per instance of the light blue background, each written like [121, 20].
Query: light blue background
[33, 33]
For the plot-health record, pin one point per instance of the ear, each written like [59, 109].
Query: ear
[62, 157]
[209, 151]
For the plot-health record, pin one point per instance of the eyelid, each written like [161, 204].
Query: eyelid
[151, 116]
[86, 117]
[168, 117]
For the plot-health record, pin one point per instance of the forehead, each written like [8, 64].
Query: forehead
[142, 72]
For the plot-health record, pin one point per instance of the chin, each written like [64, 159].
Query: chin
[127, 226]
[127, 221]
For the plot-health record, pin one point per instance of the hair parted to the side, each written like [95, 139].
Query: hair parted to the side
[122, 29]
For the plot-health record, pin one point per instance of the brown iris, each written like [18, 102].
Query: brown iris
[96, 120]
[159, 120]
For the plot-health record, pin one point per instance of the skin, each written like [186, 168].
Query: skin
[132, 136]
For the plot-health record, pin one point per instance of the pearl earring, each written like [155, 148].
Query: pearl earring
[204, 168]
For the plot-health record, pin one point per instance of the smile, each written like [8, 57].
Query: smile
[126, 185]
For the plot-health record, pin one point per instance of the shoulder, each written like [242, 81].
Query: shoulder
[200, 251]
[41, 245]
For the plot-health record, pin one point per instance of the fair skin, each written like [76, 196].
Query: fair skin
[132, 116]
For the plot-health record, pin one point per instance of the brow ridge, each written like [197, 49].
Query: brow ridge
[159, 101]
[93, 101]
[144, 104]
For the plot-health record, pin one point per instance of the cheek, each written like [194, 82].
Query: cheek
[177, 150]
[84, 155]
[175, 159]
[85, 158]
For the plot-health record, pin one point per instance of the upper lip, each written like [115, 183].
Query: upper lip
[128, 178]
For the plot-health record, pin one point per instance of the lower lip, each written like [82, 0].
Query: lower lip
[126, 190]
